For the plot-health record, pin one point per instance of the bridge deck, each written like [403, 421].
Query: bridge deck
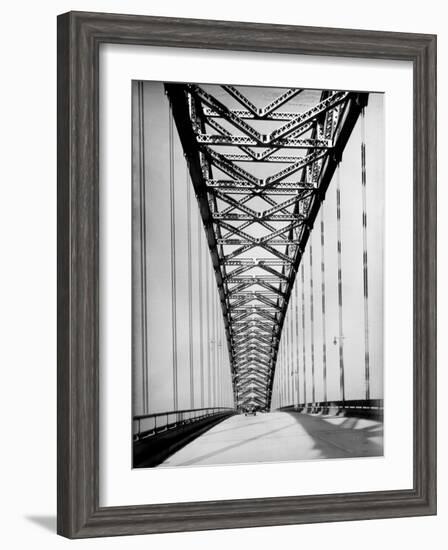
[277, 436]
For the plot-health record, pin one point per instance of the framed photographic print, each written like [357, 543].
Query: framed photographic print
[246, 274]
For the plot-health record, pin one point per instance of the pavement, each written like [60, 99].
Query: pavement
[282, 436]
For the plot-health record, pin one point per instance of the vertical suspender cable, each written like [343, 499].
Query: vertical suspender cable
[290, 365]
[220, 368]
[290, 388]
[364, 257]
[207, 307]
[190, 293]
[212, 344]
[201, 320]
[280, 377]
[303, 333]
[274, 404]
[218, 377]
[324, 324]
[173, 261]
[223, 362]
[283, 372]
[282, 367]
[285, 365]
[215, 354]
[223, 378]
[279, 383]
[217, 358]
[143, 264]
[291, 358]
[297, 342]
[285, 378]
[313, 381]
[277, 374]
[217, 349]
[341, 332]
[286, 362]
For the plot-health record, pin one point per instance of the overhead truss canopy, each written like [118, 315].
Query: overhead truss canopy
[260, 173]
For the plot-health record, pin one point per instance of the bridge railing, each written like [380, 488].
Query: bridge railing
[370, 408]
[146, 425]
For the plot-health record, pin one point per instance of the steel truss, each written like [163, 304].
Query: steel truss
[257, 227]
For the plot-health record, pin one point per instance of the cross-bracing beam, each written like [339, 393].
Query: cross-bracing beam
[257, 218]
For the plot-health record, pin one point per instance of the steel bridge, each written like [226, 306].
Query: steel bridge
[257, 226]
[260, 173]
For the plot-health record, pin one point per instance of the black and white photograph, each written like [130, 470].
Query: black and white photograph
[221, 316]
[257, 273]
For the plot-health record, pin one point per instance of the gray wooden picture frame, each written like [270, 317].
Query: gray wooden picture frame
[79, 38]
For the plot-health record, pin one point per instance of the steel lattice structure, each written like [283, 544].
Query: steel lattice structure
[257, 216]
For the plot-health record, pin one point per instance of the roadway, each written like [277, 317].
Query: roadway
[281, 436]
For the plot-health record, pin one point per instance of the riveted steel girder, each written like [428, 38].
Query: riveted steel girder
[257, 225]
